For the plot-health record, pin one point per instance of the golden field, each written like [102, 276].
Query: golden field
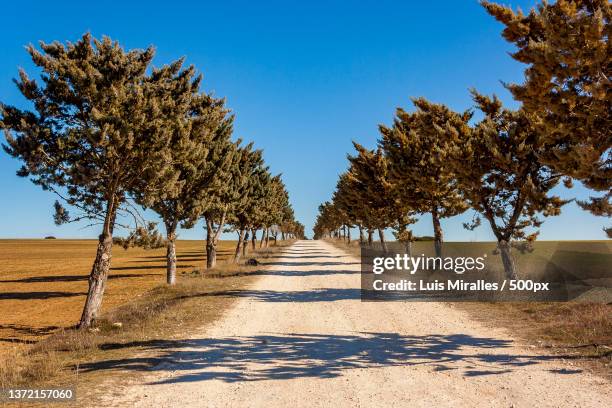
[43, 283]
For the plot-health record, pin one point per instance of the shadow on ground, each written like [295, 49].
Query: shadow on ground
[37, 295]
[75, 278]
[291, 264]
[27, 331]
[317, 295]
[281, 357]
[288, 273]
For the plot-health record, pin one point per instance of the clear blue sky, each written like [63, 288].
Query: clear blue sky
[304, 79]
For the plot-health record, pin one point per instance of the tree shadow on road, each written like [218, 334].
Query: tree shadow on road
[311, 256]
[291, 263]
[311, 272]
[316, 295]
[288, 273]
[288, 356]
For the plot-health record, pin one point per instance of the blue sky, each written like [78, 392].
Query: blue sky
[304, 79]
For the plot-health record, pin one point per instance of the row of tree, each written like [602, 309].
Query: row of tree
[109, 134]
[434, 160]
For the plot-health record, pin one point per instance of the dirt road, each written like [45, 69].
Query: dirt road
[302, 337]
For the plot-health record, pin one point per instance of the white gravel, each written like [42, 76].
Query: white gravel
[301, 337]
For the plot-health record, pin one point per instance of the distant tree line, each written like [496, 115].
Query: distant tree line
[434, 160]
[109, 134]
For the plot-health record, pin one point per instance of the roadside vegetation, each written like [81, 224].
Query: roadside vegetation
[162, 313]
[110, 134]
[580, 331]
[503, 167]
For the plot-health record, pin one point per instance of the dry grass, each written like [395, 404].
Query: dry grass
[585, 328]
[21, 368]
[43, 283]
[580, 330]
[159, 313]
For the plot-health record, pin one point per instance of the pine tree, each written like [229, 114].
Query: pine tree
[417, 148]
[224, 192]
[272, 206]
[195, 120]
[288, 221]
[500, 174]
[345, 205]
[368, 177]
[567, 86]
[328, 221]
[93, 135]
[252, 179]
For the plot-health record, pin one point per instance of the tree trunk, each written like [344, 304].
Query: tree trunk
[245, 243]
[348, 235]
[211, 256]
[97, 281]
[263, 237]
[240, 245]
[282, 235]
[383, 243]
[437, 231]
[253, 238]
[212, 238]
[361, 236]
[370, 238]
[510, 268]
[267, 237]
[100, 268]
[211, 253]
[408, 246]
[171, 254]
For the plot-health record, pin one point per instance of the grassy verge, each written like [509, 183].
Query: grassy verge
[161, 313]
[580, 330]
[43, 283]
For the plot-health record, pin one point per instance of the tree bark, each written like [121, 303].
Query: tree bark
[282, 235]
[438, 238]
[348, 235]
[100, 268]
[171, 254]
[408, 246]
[361, 236]
[370, 238]
[211, 253]
[240, 245]
[383, 243]
[510, 268]
[267, 237]
[245, 243]
[253, 238]
[212, 238]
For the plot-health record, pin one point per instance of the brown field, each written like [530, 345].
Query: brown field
[43, 283]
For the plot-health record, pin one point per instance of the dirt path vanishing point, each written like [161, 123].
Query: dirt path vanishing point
[302, 337]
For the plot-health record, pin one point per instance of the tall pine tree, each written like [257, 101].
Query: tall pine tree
[93, 135]
[417, 147]
[566, 45]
